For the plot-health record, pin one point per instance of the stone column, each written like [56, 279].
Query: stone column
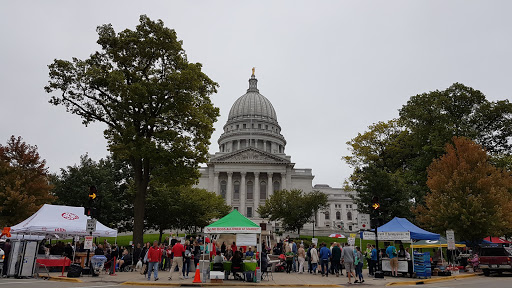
[256, 190]
[265, 145]
[283, 181]
[238, 145]
[270, 188]
[229, 193]
[216, 183]
[243, 187]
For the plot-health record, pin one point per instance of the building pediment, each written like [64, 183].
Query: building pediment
[249, 155]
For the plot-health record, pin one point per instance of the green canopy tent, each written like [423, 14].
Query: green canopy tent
[234, 223]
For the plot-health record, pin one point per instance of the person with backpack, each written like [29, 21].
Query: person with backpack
[187, 255]
[359, 265]
[324, 255]
[393, 259]
[336, 258]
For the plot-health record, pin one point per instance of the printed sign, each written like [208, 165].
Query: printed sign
[91, 225]
[363, 221]
[234, 230]
[88, 242]
[351, 241]
[450, 238]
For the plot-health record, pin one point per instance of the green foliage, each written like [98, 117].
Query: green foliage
[468, 194]
[183, 208]
[24, 185]
[390, 160]
[111, 179]
[293, 208]
[155, 104]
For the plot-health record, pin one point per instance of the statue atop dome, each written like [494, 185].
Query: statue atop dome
[253, 70]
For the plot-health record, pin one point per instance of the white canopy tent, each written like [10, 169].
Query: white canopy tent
[55, 221]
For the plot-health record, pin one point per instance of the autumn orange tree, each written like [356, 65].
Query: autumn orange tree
[467, 194]
[24, 185]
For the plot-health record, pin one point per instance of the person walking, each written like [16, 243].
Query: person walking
[314, 258]
[347, 254]
[295, 251]
[336, 258]
[301, 256]
[154, 257]
[308, 256]
[359, 265]
[197, 253]
[177, 261]
[325, 255]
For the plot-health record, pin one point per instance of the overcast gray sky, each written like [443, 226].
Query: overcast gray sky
[330, 68]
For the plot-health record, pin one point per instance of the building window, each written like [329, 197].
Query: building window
[338, 215]
[350, 228]
[223, 188]
[327, 216]
[245, 126]
[347, 206]
[259, 126]
[249, 212]
[235, 208]
[277, 186]
[236, 190]
[252, 126]
[237, 127]
[349, 216]
[250, 190]
[263, 190]
[266, 127]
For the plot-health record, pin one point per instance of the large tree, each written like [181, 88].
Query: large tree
[435, 117]
[293, 208]
[111, 179]
[24, 182]
[155, 104]
[379, 158]
[467, 194]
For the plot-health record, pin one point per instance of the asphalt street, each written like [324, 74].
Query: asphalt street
[504, 281]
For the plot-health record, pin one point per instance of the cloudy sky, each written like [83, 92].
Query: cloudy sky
[330, 68]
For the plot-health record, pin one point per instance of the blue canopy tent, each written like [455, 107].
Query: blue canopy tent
[403, 225]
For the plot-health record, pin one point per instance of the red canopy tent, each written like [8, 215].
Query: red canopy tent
[497, 240]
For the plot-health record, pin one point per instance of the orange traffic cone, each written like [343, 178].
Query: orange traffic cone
[197, 277]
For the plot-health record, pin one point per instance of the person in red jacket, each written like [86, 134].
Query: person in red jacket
[178, 251]
[154, 257]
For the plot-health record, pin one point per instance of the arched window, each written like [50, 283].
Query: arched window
[263, 190]
[236, 190]
[327, 215]
[250, 190]
[338, 215]
[223, 188]
[277, 186]
[349, 216]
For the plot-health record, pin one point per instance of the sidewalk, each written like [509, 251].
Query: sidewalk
[280, 280]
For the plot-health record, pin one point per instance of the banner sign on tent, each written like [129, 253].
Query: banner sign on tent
[388, 236]
[246, 240]
[214, 230]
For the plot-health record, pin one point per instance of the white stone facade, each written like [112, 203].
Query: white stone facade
[251, 164]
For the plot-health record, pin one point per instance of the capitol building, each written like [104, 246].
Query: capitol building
[251, 164]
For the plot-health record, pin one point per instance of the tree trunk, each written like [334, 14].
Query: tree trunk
[161, 233]
[139, 205]
[298, 232]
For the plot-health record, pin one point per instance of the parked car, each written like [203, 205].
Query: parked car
[495, 258]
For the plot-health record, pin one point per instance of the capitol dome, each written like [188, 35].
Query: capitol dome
[252, 105]
[252, 122]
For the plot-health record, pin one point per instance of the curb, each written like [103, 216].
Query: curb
[425, 281]
[133, 283]
[62, 279]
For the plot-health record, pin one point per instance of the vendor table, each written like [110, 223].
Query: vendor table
[83, 257]
[64, 261]
[403, 265]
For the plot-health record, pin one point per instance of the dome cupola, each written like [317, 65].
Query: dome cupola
[252, 121]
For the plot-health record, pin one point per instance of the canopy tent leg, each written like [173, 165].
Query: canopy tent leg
[412, 256]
